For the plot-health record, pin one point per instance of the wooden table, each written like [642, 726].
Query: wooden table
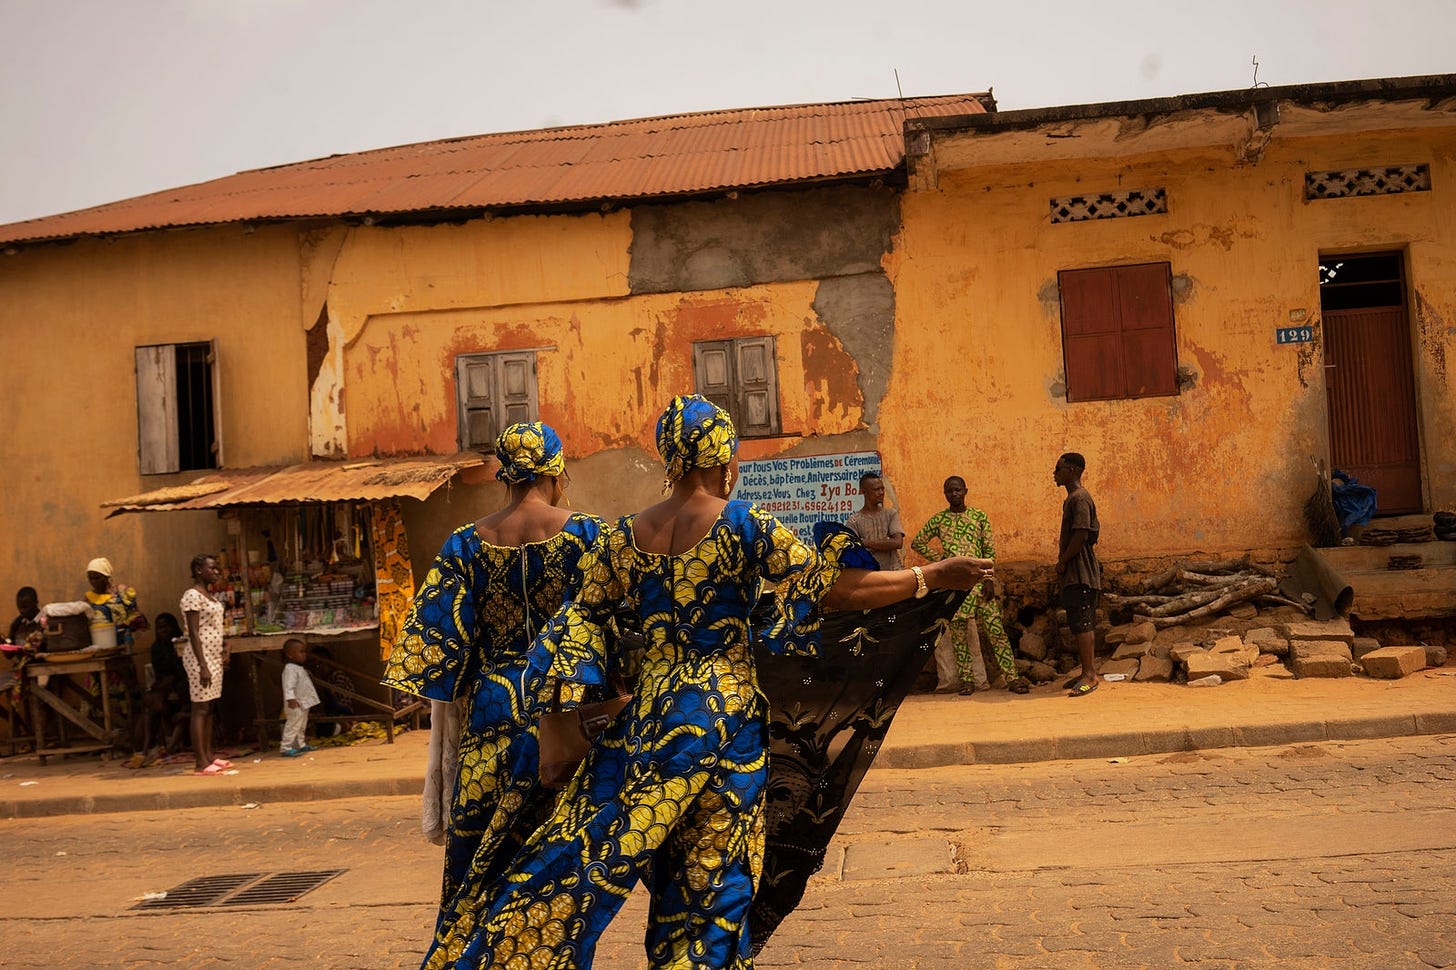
[45, 683]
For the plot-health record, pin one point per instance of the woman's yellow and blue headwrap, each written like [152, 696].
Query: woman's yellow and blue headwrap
[526, 450]
[694, 433]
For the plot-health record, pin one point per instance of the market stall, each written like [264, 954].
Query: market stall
[316, 551]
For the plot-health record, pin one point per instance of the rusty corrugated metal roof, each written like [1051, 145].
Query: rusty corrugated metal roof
[314, 481]
[622, 160]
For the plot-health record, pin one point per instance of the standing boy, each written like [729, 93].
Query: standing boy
[878, 527]
[1079, 574]
[964, 531]
[298, 696]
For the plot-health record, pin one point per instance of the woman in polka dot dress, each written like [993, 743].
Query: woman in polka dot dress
[203, 656]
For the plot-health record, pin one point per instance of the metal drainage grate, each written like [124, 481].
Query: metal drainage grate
[203, 891]
[281, 887]
[241, 889]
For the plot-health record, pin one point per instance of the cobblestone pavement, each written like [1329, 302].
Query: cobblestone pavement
[1329, 855]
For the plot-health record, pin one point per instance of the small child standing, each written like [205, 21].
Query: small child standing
[298, 696]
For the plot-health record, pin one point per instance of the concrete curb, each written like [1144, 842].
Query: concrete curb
[1170, 741]
[231, 796]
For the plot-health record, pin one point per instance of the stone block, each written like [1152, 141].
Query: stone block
[1243, 611]
[1393, 663]
[1127, 667]
[1229, 644]
[1040, 673]
[1229, 666]
[1436, 655]
[1181, 652]
[1154, 668]
[1321, 665]
[1116, 636]
[1307, 649]
[1142, 632]
[1261, 635]
[1033, 645]
[1132, 651]
[1336, 629]
[1360, 646]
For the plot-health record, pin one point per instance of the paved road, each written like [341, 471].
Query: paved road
[1331, 855]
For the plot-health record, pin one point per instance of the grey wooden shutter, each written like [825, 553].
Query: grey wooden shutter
[215, 373]
[758, 397]
[158, 450]
[713, 368]
[475, 385]
[517, 387]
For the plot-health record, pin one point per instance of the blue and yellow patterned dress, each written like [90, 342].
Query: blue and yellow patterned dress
[673, 792]
[466, 636]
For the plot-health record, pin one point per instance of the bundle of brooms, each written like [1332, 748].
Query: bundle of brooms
[1196, 590]
[1319, 510]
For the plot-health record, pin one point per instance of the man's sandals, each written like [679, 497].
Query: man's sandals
[1081, 688]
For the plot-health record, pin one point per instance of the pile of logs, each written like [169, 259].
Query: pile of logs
[1195, 590]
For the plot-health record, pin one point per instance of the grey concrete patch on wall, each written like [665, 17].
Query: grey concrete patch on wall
[761, 237]
[860, 311]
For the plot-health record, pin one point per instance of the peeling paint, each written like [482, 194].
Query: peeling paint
[860, 312]
[1433, 336]
[1183, 288]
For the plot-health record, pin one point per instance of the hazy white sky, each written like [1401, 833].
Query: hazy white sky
[105, 99]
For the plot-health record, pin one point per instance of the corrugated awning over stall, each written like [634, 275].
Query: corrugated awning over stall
[314, 481]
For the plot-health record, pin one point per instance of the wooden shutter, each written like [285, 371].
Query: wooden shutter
[1145, 311]
[518, 387]
[475, 385]
[758, 398]
[713, 368]
[1117, 332]
[1091, 346]
[215, 373]
[158, 450]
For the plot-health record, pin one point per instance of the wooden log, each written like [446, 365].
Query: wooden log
[1181, 604]
[1228, 597]
[1117, 600]
[1304, 608]
[1159, 580]
[1189, 577]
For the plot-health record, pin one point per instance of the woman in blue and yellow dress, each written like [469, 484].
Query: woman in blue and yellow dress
[672, 793]
[494, 584]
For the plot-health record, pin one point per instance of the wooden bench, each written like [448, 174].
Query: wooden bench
[367, 709]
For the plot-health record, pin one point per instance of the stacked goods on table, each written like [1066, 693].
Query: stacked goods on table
[327, 599]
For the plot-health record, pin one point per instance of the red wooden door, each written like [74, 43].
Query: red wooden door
[1370, 383]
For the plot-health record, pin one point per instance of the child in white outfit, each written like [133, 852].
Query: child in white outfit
[298, 696]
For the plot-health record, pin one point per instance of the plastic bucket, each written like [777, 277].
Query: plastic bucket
[103, 637]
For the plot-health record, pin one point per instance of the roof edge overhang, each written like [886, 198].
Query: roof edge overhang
[449, 214]
[1240, 124]
[360, 480]
[1435, 87]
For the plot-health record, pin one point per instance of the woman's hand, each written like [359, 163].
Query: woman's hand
[958, 572]
[204, 676]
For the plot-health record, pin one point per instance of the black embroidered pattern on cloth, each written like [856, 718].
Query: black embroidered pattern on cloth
[828, 717]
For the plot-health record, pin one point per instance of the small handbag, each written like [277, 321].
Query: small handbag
[566, 736]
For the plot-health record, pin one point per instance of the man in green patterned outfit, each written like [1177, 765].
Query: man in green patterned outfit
[963, 531]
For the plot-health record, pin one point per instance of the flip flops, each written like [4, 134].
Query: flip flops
[222, 763]
[1019, 686]
[1084, 688]
[212, 769]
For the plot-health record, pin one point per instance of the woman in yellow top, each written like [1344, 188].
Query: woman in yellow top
[673, 791]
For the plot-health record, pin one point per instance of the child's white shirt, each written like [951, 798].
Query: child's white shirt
[298, 686]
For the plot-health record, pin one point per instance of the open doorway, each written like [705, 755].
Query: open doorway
[1370, 377]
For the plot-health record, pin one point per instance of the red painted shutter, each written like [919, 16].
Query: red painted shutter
[1091, 338]
[1145, 310]
[1117, 332]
